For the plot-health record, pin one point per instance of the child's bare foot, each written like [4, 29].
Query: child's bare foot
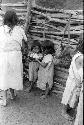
[67, 116]
[28, 89]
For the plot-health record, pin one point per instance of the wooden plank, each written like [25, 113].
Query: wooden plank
[43, 9]
[57, 91]
[57, 15]
[14, 5]
[61, 69]
[60, 80]
[49, 18]
[57, 38]
[56, 33]
[59, 86]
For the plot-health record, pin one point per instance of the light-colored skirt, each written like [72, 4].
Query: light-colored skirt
[11, 70]
[45, 76]
[79, 116]
[70, 85]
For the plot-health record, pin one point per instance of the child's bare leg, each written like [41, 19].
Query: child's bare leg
[30, 87]
[4, 98]
[65, 112]
[65, 108]
[12, 93]
[46, 91]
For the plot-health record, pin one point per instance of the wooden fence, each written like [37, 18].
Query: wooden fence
[50, 24]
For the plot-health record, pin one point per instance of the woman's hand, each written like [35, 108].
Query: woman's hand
[79, 62]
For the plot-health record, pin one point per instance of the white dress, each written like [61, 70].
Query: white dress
[75, 76]
[79, 115]
[11, 67]
[45, 75]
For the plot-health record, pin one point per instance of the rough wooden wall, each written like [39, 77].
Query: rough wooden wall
[50, 24]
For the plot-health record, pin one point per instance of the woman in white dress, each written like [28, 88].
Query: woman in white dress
[11, 67]
[74, 82]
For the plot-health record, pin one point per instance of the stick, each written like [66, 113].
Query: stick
[28, 16]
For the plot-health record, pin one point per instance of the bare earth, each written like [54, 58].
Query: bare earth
[30, 109]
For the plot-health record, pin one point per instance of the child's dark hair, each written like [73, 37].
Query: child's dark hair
[49, 46]
[36, 43]
[10, 18]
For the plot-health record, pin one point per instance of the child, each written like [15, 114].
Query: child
[46, 68]
[11, 67]
[74, 82]
[34, 65]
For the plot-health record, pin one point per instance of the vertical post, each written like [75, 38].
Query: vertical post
[44, 35]
[28, 15]
[69, 29]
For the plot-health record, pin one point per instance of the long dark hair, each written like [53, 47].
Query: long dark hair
[10, 18]
[36, 43]
[48, 46]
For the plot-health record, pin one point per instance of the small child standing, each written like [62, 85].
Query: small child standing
[46, 68]
[33, 64]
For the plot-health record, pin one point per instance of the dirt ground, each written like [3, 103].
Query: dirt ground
[30, 109]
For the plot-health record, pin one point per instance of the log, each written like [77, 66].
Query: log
[59, 86]
[49, 18]
[43, 9]
[28, 16]
[57, 91]
[56, 33]
[61, 69]
[14, 4]
[60, 80]
[57, 15]
[40, 24]
[58, 38]
[61, 74]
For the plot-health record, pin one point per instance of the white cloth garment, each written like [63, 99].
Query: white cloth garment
[45, 75]
[75, 77]
[11, 67]
[79, 115]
